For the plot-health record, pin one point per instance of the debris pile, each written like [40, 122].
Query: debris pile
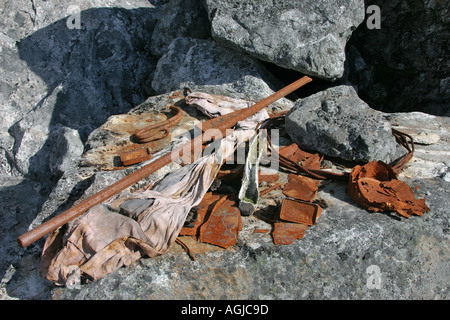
[206, 199]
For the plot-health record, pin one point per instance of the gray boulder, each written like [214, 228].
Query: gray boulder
[66, 151]
[55, 74]
[179, 18]
[306, 36]
[205, 65]
[337, 123]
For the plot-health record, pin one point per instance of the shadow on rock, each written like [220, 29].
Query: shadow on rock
[90, 73]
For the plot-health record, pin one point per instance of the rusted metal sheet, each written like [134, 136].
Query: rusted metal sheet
[202, 213]
[223, 225]
[301, 187]
[375, 187]
[300, 211]
[287, 233]
[268, 178]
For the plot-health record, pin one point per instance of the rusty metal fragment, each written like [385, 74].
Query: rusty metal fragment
[375, 187]
[301, 187]
[223, 226]
[300, 211]
[135, 156]
[158, 130]
[202, 212]
[287, 233]
[266, 191]
[295, 154]
[268, 178]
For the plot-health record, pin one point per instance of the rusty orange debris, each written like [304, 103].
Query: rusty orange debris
[203, 211]
[297, 155]
[301, 187]
[287, 233]
[135, 156]
[300, 211]
[158, 130]
[268, 178]
[375, 187]
[223, 225]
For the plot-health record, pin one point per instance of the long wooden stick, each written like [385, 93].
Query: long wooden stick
[221, 123]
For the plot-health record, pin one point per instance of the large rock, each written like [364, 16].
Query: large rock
[306, 36]
[337, 123]
[406, 60]
[205, 65]
[179, 18]
[54, 76]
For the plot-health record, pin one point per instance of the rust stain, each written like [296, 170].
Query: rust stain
[223, 226]
[375, 187]
[301, 187]
[300, 211]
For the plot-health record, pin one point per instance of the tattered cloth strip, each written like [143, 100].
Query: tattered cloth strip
[127, 227]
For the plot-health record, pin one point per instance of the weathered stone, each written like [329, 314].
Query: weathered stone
[55, 76]
[337, 123]
[306, 36]
[179, 18]
[66, 151]
[203, 65]
[406, 59]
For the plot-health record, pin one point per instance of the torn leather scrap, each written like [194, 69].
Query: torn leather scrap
[375, 187]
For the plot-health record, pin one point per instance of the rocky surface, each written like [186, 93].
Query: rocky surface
[332, 261]
[180, 18]
[403, 66]
[54, 76]
[200, 64]
[306, 36]
[67, 92]
[337, 123]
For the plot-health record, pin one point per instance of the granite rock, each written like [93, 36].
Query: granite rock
[204, 65]
[337, 123]
[306, 36]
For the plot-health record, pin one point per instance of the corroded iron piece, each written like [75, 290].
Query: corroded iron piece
[375, 187]
[223, 226]
[287, 233]
[203, 211]
[300, 211]
[158, 130]
[135, 156]
[301, 187]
